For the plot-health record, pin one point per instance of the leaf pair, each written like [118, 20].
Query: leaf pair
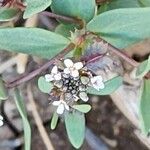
[121, 28]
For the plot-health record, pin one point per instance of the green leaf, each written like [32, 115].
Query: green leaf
[75, 8]
[35, 6]
[110, 86]
[7, 14]
[26, 125]
[145, 107]
[145, 3]
[44, 86]
[122, 27]
[75, 126]
[115, 4]
[3, 93]
[32, 41]
[54, 121]
[143, 68]
[65, 30]
[84, 108]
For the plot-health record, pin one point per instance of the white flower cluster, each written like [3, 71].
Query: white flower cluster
[72, 81]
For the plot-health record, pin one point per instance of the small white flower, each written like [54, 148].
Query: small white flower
[72, 68]
[61, 106]
[1, 121]
[97, 82]
[84, 96]
[55, 75]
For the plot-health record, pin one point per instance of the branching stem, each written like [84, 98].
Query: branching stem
[34, 73]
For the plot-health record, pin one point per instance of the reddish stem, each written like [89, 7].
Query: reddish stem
[64, 18]
[20, 6]
[34, 73]
[120, 53]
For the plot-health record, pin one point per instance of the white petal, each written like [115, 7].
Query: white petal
[54, 70]
[75, 73]
[68, 63]
[1, 123]
[93, 80]
[97, 83]
[49, 77]
[95, 86]
[78, 65]
[60, 109]
[56, 103]
[99, 78]
[96, 79]
[101, 85]
[66, 106]
[57, 76]
[84, 96]
[67, 71]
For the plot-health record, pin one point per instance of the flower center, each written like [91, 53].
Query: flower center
[73, 85]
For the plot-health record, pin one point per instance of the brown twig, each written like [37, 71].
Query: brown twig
[64, 18]
[38, 120]
[123, 56]
[119, 53]
[34, 73]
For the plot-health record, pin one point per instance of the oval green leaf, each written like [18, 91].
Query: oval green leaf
[75, 126]
[44, 86]
[84, 108]
[122, 27]
[3, 93]
[7, 14]
[110, 86]
[54, 121]
[81, 9]
[26, 125]
[143, 68]
[35, 6]
[32, 41]
[145, 107]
